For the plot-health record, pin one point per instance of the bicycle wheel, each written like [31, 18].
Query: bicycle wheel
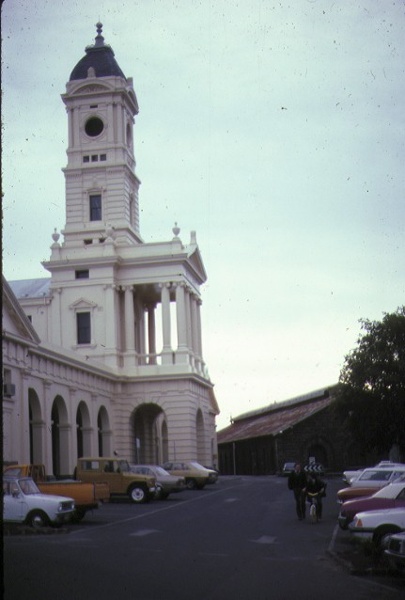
[312, 514]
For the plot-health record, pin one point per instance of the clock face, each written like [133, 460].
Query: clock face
[94, 126]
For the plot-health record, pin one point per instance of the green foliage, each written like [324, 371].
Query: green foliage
[371, 391]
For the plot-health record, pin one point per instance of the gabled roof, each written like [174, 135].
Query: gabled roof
[15, 323]
[276, 418]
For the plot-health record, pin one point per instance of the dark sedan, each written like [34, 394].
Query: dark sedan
[390, 496]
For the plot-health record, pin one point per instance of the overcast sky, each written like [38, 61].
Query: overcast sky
[274, 129]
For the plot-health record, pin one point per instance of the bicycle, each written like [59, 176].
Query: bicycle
[313, 508]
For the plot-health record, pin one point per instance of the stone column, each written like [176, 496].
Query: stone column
[182, 349]
[129, 319]
[110, 130]
[70, 126]
[56, 317]
[199, 330]
[139, 330]
[24, 420]
[47, 412]
[194, 329]
[151, 333]
[110, 317]
[166, 332]
[188, 323]
[65, 440]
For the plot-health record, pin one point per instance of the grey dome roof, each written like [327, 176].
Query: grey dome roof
[100, 57]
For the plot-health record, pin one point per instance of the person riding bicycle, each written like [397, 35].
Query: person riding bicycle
[316, 489]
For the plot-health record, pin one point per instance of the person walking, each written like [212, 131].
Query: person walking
[297, 482]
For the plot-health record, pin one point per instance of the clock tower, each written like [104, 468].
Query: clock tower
[101, 185]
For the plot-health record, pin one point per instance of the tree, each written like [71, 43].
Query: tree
[371, 391]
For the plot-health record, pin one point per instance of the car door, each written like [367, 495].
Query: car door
[14, 503]
[399, 501]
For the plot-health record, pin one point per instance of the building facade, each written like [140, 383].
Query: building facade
[304, 429]
[126, 309]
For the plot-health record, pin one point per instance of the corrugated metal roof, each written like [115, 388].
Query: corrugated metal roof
[31, 288]
[276, 420]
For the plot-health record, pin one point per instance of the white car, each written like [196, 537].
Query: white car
[350, 476]
[24, 503]
[376, 525]
[378, 476]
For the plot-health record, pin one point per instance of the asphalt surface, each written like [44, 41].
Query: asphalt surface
[231, 540]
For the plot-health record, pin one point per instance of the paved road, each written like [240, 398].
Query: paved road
[236, 540]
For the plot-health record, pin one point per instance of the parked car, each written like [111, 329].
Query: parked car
[390, 496]
[87, 496]
[117, 473]
[395, 551]
[376, 525]
[196, 475]
[288, 468]
[165, 483]
[24, 503]
[378, 476]
[350, 475]
[368, 488]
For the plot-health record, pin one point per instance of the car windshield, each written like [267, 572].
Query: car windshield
[124, 466]
[160, 471]
[197, 465]
[141, 470]
[28, 487]
[375, 475]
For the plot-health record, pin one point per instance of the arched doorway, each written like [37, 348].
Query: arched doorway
[318, 453]
[36, 428]
[149, 430]
[83, 430]
[103, 433]
[59, 431]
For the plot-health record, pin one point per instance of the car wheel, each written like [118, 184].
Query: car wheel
[191, 484]
[159, 492]
[137, 494]
[37, 519]
[78, 515]
[382, 533]
[343, 525]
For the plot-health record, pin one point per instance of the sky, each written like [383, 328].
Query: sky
[274, 129]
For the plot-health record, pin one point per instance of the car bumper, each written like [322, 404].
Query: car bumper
[63, 518]
[343, 521]
[363, 535]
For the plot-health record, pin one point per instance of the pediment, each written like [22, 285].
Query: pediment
[195, 260]
[90, 88]
[82, 303]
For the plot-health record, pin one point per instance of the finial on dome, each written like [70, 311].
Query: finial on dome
[99, 37]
